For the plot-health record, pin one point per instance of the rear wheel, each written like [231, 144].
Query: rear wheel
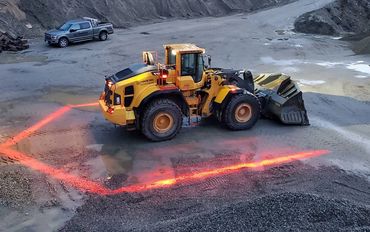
[63, 42]
[103, 36]
[242, 112]
[162, 120]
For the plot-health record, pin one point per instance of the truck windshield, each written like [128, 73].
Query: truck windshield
[64, 27]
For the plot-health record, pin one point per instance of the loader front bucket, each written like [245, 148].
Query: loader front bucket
[281, 98]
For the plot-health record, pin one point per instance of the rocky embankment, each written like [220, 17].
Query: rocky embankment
[338, 18]
[31, 18]
[347, 18]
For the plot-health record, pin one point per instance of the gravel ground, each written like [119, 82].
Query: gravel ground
[287, 198]
[336, 89]
[279, 212]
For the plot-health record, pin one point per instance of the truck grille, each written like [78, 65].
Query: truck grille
[47, 37]
[129, 95]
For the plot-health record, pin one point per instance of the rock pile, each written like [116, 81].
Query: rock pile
[340, 17]
[10, 42]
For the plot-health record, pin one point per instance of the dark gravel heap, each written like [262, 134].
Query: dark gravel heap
[46, 14]
[339, 17]
[15, 189]
[292, 197]
[280, 212]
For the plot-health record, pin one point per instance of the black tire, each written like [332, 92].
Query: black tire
[153, 114]
[63, 42]
[103, 36]
[233, 116]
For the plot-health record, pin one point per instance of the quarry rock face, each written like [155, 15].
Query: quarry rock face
[338, 18]
[31, 18]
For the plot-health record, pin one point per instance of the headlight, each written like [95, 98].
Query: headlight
[54, 37]
[117, 99]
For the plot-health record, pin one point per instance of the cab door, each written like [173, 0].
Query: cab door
[85, 32]
[191, 71]
[73, 35]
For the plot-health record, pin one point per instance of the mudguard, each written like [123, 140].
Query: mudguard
[281, 98]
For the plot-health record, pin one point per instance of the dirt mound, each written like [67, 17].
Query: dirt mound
[31, 18]
[337, 18]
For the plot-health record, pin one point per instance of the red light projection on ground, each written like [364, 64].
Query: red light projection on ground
[26, 133]
[201, 175]
[84, 184]
[59, 174]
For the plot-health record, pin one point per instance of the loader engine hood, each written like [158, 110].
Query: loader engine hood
[132, 71]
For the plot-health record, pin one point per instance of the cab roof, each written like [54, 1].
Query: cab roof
[186, 47]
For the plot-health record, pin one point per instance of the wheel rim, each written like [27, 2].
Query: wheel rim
[243, 113]
[163, 122]
[63, 43]
[104, 36]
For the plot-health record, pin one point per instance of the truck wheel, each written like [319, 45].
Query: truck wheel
[103, 36]
[63, 42]
[162, 120]
[242, 112]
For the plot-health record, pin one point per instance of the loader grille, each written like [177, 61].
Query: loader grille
[129, 95]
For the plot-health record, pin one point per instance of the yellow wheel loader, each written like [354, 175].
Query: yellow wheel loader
[155, 98]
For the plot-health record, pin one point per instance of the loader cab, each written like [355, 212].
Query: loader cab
[187, 61]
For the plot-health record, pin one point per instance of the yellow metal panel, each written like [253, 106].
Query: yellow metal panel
[222, 94]
[186, 83]
[142, 92]
[192, 101]
[117, 117]
[130, 115]
[185, 47]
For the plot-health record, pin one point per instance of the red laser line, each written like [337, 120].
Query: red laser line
[94, 187]
[220, 171]
[85, 105]
[59, 174]
[26, 133]
[51, 117]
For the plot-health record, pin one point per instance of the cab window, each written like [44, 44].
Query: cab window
[192, 65]
[75, 27]
[85, 25]
[171, 57]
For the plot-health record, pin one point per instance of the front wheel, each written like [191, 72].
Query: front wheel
[63, 42]
[242, 112]
[161, 120]
[103, 36]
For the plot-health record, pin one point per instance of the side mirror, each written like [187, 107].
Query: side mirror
[72, 30]
[148, 58]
